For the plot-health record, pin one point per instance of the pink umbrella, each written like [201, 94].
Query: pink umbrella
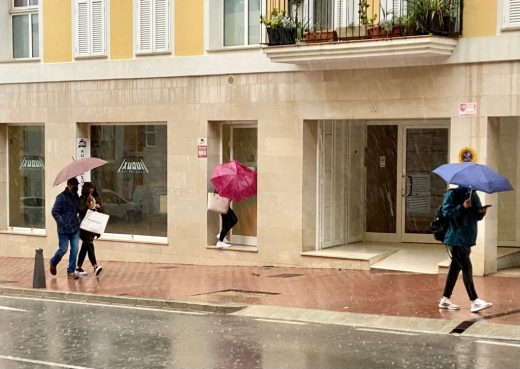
[234, 180]
[78, 167]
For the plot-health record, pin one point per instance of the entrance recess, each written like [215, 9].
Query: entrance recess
[402, 193]
[340, 173]
[240, 143]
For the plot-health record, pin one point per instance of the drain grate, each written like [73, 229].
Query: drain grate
[167, 267]
[235, 296]
[285, 275]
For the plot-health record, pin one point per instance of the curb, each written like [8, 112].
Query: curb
[118, 300]
[480, 329]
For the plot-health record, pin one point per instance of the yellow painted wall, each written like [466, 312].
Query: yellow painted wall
[480, 18]
[121, 29]
[189, 27]
[57, 31]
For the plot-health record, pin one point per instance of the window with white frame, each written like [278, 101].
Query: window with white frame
[25, 29]
[153, 26]
[241, 22]
[511, 14]
[90, 28]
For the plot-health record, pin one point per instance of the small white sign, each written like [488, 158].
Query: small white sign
[468, 109]
[382, 161]
[202, 147]
[83, 151]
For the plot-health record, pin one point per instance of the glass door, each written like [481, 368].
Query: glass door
[422, 191]
[402, 194]
[241, 145]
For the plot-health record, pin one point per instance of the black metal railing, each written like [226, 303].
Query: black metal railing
[290, 21]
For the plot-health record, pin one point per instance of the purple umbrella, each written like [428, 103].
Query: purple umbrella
[475, 176]
[234, 180]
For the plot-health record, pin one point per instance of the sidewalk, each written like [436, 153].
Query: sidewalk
[346, 295]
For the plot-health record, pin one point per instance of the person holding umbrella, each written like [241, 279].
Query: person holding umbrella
[235, 181]
[462, 207]
[65, 212]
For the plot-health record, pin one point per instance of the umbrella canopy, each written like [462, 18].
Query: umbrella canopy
[234, 180]
[475, 176]
[76, 168]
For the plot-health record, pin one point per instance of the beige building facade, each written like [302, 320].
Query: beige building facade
[343, 148]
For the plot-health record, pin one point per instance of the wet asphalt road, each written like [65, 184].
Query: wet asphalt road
[54, 334]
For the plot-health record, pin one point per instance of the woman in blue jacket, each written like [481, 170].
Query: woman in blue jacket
[463, 209]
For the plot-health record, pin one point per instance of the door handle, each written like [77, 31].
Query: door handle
[408, 183]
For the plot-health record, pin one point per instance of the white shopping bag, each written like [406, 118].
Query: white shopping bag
[94, 222]
[218, 203]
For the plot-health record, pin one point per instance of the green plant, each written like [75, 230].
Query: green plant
[277, 19]
[363, 13]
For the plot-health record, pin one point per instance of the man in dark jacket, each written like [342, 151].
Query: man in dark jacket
[463, 209]
[65, 212]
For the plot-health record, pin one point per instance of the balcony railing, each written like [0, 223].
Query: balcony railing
[310, 21]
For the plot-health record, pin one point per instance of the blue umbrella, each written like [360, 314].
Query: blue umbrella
[475, 176]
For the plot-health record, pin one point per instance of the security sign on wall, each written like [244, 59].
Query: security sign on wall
[467, 155]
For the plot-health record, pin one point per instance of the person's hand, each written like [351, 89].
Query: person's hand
[483, 209]
[467, 204]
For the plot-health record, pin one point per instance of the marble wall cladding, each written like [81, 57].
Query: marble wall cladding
[279, 104]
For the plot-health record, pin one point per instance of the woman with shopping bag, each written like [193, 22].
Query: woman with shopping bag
[89, 202]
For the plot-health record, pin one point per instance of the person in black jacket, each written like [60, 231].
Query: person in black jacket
[65, 212]
[89, 200]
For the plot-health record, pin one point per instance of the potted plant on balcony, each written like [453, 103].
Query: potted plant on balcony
[281, 30]
[373, 30]
[434, 16]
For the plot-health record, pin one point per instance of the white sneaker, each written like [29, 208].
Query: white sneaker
[480, 304]
[446, 303]
[225, 240]
[98, 269]
[222, 245]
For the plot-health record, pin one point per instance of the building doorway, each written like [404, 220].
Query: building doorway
[239, 142]
[402, 193]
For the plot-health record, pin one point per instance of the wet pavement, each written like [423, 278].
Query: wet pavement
[378, 292]
[43, 334]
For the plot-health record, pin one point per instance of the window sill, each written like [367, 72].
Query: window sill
[89, 57]
[24, 60]
[241, 248]
[510, 28]
[152, 53]
[224, 49]
[134, 238]
[25, 231]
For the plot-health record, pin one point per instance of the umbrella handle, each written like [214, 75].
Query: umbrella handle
[470, 192]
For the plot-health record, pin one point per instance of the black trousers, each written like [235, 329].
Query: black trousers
[228, 221]
[460, 261]
[87, 247]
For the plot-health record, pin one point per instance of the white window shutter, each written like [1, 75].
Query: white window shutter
[512, 15]
[144, 31]
[98, 45]
[162, 26]
[82, 28]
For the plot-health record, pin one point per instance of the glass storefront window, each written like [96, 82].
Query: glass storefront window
[26, 176]
[132, 185]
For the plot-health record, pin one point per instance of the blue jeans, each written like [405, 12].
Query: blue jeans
[64, 239]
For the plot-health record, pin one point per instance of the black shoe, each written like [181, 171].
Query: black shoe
[72, 275]
[81, 272]
[53, 269]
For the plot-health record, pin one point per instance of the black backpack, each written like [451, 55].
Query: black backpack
[439, 225]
